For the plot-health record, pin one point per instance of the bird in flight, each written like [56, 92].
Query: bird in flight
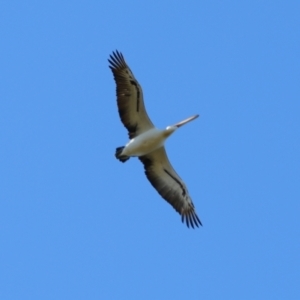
[147, 142]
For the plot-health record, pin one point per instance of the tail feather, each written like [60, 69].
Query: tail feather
[119, 155]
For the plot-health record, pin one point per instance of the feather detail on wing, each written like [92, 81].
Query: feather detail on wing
[129, 97]
[169, 185]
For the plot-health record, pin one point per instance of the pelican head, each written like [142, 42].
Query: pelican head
[170, 129]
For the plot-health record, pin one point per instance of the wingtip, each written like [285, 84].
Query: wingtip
[116, 60]
[116, 54]
[191, 219]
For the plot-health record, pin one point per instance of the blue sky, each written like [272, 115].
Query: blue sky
[75, 223]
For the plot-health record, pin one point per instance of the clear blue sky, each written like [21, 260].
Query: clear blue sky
[75, 223]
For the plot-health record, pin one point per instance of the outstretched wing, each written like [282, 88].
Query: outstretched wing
[129, 97]
[169, 185]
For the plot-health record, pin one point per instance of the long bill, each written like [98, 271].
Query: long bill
[179, 124]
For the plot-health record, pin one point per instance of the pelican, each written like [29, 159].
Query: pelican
[147, 142]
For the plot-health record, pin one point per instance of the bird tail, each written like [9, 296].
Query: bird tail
[119, 155]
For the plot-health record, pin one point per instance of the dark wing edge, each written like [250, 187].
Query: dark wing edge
[129, 97]
[161, 174]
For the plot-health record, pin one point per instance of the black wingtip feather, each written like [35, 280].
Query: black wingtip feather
[195, 218]
[116, 60]
[191, 220]
[187, 221]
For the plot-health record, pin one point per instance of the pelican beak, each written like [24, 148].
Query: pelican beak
[186, 121]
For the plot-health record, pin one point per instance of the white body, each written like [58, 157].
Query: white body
[145, 143]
